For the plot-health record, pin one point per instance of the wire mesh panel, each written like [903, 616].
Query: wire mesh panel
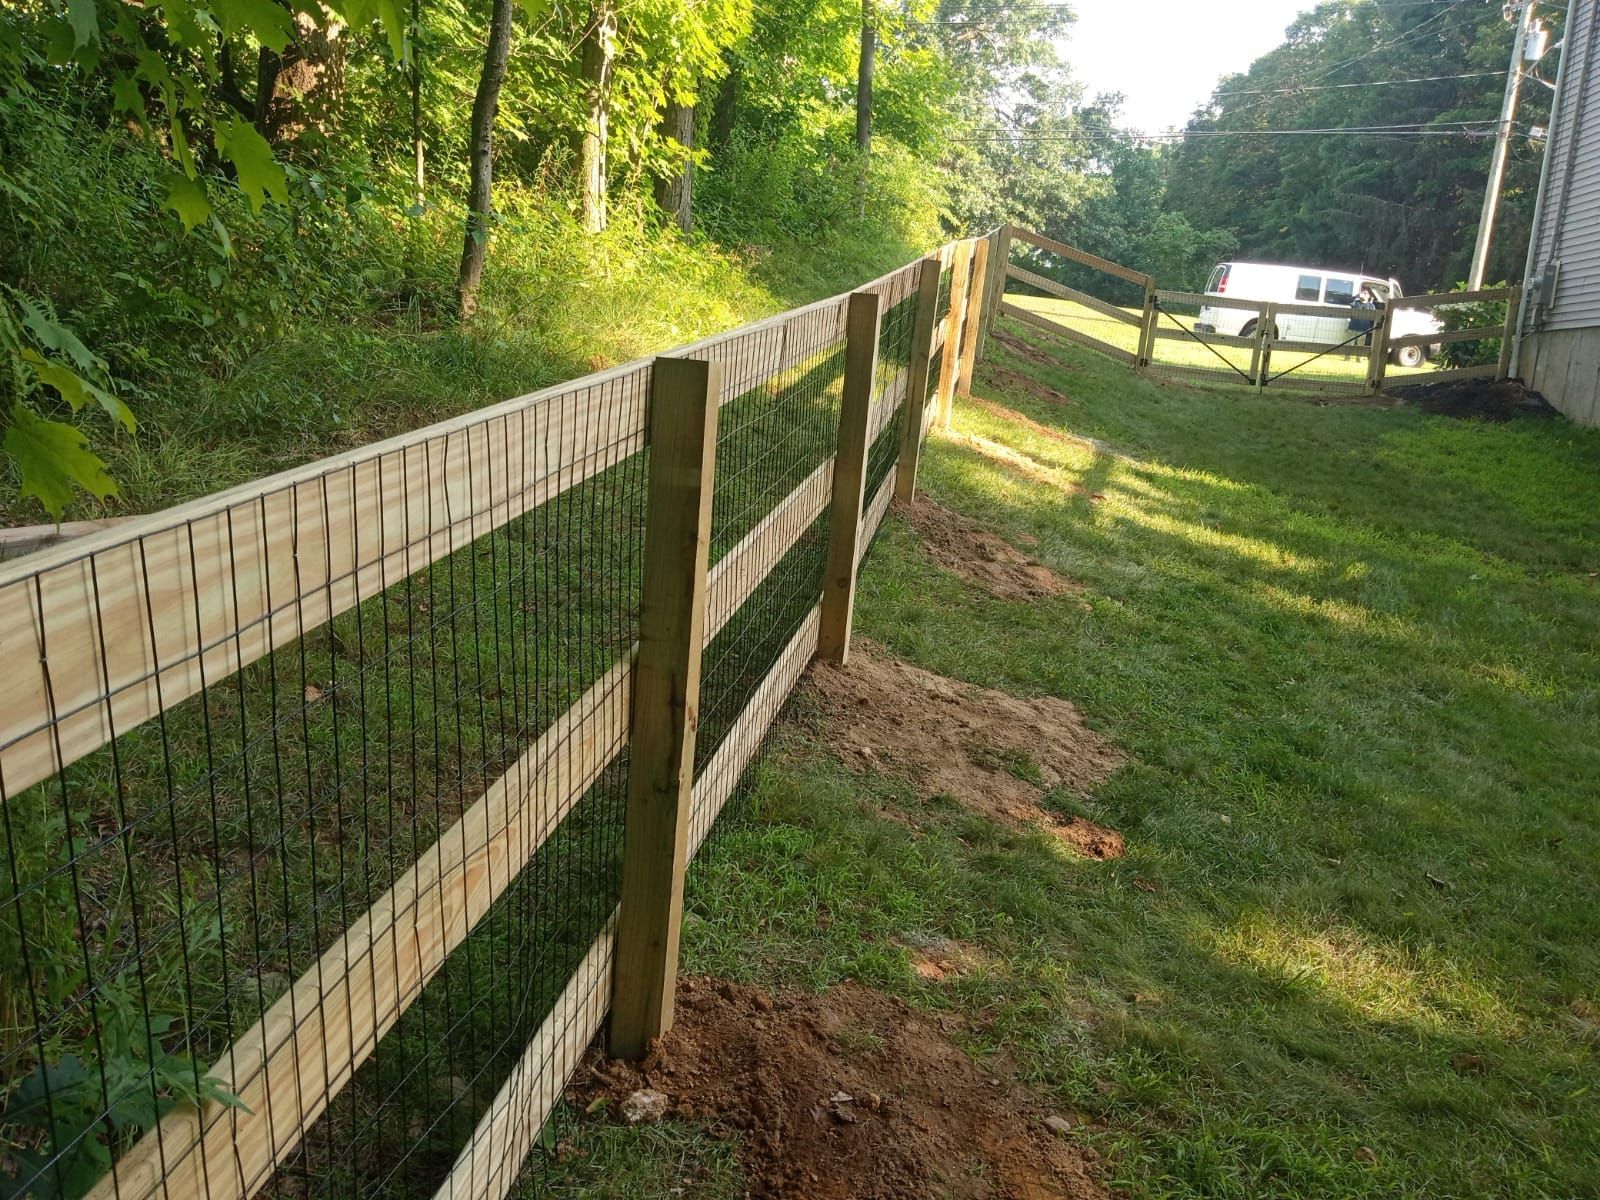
[1205, 339]
[379, 827]
[312, 793]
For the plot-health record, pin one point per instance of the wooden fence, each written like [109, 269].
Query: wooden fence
[1164, 335]
[659, 557]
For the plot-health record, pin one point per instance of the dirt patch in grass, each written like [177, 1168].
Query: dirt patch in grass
[981, 556]
[1029, 351]
[1494, 400]
[994, 753]
[850, 1093]
[939, 959]
[1010, 377]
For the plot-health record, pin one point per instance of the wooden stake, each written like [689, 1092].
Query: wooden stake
[960, 260]
[666, 699]
[976, 290]
[905, 477]
[849, 476]
[1147, 328]
[1508, 339]
[1378, 352]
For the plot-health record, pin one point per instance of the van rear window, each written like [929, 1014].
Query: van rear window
[1309, 288]
[1218, 283]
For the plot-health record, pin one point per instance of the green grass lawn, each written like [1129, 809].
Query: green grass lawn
[1353, 653]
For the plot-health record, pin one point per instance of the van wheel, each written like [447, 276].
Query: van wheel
[1249, 331]
[1409, 356]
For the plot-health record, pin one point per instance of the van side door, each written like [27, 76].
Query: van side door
[1297, 327]
[1341, 294]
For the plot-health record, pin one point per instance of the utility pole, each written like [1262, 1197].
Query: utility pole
[1502, 144]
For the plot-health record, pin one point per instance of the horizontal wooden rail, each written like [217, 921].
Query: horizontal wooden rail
[490, 1164]
[1355, 349]
[885, 406]
[1201, 300]
[1450, 375]
[872, 515]
[1443, 299]
[739, 745]
[1080, 256]
[1211, 339]
[1062, 331]
[151, 611]
[306, 1047]
[1061, 290]
[737, 574]
[1445, 336]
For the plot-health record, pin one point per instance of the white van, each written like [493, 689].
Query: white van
[1310, 285]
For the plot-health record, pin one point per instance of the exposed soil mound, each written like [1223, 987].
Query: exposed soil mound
[994, 753]
[1012, 378]
[1482, 399]
[848, 1094]
[979, 556]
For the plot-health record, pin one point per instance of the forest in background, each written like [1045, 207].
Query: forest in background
[236, 234]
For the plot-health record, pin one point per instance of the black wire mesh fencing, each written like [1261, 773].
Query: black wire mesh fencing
[312, 793]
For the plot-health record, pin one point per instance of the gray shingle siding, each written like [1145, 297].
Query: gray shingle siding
[1569, 222]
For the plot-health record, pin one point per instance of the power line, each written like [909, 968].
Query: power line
[1327, 87]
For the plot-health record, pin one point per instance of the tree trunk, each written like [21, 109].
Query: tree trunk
[869, 51]
[675, 191]
[599, 52]
[723, 111]
[301, 88]
[417, 147]
[481, 155]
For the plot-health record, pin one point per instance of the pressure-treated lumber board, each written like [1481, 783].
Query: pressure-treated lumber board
[872, 517]
[999, 259]
[1201, 300]
[488, 1166]
[1080, 256]
[1482, 333]
[1071, 335]
[1482, 371]
[666, 699]
[883, 408]
[1211, 339]
[720, 775]
[849, 476]
[1061, 290]
[968, 356]
[307, 1046]
[25, 539]
[949, 363]
[1353, 349]
[1440, 299]
[739, 572]
[156, 608]
[922, 349]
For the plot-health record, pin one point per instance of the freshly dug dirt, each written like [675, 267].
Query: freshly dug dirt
[992, 752]
[1481, 399]
[850, 1094]
[1012, 378]
[979, 556]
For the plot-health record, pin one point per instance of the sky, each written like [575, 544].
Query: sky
[1183, 47]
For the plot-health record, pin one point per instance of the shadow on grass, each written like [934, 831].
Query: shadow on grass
[1352, 948]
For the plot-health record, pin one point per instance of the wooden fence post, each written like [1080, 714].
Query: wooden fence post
[949, 363]
[905, 476]
[967, 355]
[684, 396]
[849, 477]
[999, 259]
[1378, 354]
[1147, 328]
[1509, 338]
[1265, 326]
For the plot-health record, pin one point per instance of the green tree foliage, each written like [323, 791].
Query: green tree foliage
[1395, 201]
